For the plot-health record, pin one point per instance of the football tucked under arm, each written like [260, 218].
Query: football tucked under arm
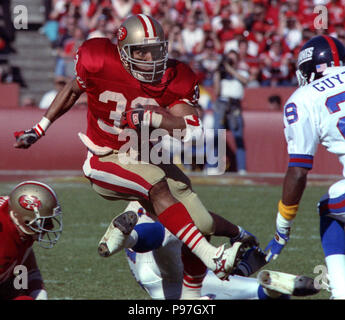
[181, 121]
[142, 116]
[189, 121]
[169, 120]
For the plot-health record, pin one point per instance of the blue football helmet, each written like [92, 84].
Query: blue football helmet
[316, 55]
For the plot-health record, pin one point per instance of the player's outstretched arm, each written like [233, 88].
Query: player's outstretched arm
[293, 187]
[63, 102]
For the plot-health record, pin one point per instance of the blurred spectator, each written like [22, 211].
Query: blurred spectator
[65, 60]
[257, 14]
[5, 43]
[222, 15]
[100, 30]
[208, 62]
[336, 12]
[48, 97]
[192, 37]
[230, 82]
[247, 27]
[5, 7]
[102, 14]
[290, 29]
[227, 32]
[272, 14]
[249, 63]
[176, 46]
[150, 7]
[28, 101]
[275, 65]
[123, 8]
[257, 39]
[339, 31]
[48, 6]
[10, 74]
[275, 103]
[245, 60]
[237, 16]
[210, 36]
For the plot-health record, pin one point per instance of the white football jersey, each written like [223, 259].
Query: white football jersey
[160, 273]
[315, 114]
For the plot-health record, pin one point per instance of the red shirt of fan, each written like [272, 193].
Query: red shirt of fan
[13, 249]
[111, 90]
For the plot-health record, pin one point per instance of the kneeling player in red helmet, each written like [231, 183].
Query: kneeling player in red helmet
[30, 213]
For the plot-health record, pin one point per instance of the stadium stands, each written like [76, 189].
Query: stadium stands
[249, 26]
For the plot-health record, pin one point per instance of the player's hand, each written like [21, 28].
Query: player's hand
[252, 261]
[276, 245]
[132, 119]
[141, 116]
[245, 237]
[24, 139]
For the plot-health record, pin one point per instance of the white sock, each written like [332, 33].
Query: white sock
[336, 274]
[206, 252]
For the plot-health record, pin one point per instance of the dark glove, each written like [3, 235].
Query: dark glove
[245, 237]
[24, 139]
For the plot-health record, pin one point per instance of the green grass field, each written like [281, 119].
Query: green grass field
[74, 270]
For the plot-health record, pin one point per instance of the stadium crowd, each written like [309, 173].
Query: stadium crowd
[267, 34]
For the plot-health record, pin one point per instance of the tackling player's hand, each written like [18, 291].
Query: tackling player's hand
[24, 139]
[245, 237]
[252, 261]
[276, 245]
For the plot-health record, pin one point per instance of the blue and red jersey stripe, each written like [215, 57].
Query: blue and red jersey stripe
[332, 205]
[301, 160]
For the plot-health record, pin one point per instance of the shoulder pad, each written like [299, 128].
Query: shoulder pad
[92, 54]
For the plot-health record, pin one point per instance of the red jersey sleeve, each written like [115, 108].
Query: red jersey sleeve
[89, 59]
[185, 85]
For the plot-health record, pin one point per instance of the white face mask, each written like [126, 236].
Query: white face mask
[145, 71]
[302, 80]
[46, 237]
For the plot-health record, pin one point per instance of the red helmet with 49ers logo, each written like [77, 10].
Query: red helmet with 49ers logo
[142, 32]
[35, 210]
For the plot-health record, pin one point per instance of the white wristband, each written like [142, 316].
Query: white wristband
[41, 127]
[283, 225]
[152, 119]
[45, 123]
[156, 119]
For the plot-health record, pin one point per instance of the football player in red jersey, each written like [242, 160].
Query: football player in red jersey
[134, 85]
[30, 213]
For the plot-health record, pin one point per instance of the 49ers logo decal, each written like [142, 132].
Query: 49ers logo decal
[29, 202]
[121, 33]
